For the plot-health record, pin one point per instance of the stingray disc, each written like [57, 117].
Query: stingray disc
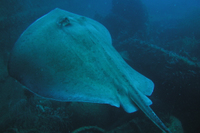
[67, 57]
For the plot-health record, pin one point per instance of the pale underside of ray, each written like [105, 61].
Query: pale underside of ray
[67, 57]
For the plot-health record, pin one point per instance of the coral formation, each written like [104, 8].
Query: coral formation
[175, 125]
[89, 129]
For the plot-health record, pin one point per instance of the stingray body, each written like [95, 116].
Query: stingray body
[67, 57]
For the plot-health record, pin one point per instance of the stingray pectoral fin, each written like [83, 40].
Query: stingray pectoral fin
[71, 89]
[142, 102]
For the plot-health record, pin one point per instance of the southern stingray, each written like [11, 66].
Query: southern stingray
[68, 57]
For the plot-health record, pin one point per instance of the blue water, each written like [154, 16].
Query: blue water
[161, 40]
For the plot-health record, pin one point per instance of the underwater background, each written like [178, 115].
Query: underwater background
[159, 39]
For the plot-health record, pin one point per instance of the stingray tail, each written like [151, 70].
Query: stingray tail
[149, 112]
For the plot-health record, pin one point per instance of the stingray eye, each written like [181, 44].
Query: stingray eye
[63, 22]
